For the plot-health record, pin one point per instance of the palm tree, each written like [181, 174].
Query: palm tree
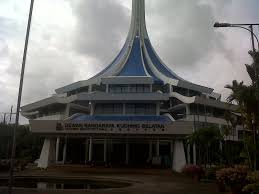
[246, 97]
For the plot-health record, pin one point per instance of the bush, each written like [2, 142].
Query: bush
[251, 188]
[253, 183]
[210, 173]
[194, 171]
[235, 178]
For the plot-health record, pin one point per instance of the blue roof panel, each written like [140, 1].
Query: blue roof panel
[162, 119]
[134, 65]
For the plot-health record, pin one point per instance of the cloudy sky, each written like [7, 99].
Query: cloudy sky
[72, 40]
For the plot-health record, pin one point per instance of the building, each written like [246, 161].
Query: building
[135, 112]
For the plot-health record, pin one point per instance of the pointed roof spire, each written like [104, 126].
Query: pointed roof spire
[138, 22]
[139, 59]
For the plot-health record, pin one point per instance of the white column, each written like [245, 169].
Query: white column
[105, 150]
[65, 151]
[179, 160]
[57, 148]
[127, 152]
[157, 148]
[150, 150]
[90, 149]
[48, 153]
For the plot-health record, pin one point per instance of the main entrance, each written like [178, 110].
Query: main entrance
[118, 152]
[76, 151]
[139, 154]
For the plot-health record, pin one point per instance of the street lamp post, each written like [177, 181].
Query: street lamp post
[248, 27]
[10, 186]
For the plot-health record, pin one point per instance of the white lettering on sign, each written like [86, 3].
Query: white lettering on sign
[106, 126]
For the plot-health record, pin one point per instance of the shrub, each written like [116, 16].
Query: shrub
[194, 171]
[235, 178]
[253, 183]
[251, 188]
[210, 173]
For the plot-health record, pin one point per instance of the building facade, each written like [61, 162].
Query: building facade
[136, 111]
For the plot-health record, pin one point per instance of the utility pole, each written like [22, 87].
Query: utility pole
[10, 187]
[4, 119]
[10, 119]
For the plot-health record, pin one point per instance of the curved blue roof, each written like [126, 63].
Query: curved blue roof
[115, 61]
[134, 65]
[155, 78]
[162, 119]
[162, 68]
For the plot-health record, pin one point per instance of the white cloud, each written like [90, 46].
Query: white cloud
[73, 40]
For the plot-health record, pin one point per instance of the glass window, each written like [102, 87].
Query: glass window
[132, 89]
[117, 108]
[108, 109]
[150, 109]
[147, 88]
[124, 89]
[140, 109]
[181, 91]
[130, 109]
[140, 88]
[118, 89]
[179, 113]
[194, 93]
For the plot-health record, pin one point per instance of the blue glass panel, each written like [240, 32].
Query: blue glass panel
[162, 119]
[160, 67]
[134, 65]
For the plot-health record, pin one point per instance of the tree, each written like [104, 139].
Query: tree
[205, 139]
[247, 98]
[28, 145]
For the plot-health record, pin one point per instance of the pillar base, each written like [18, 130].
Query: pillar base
[48, 153]
[179, 160]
